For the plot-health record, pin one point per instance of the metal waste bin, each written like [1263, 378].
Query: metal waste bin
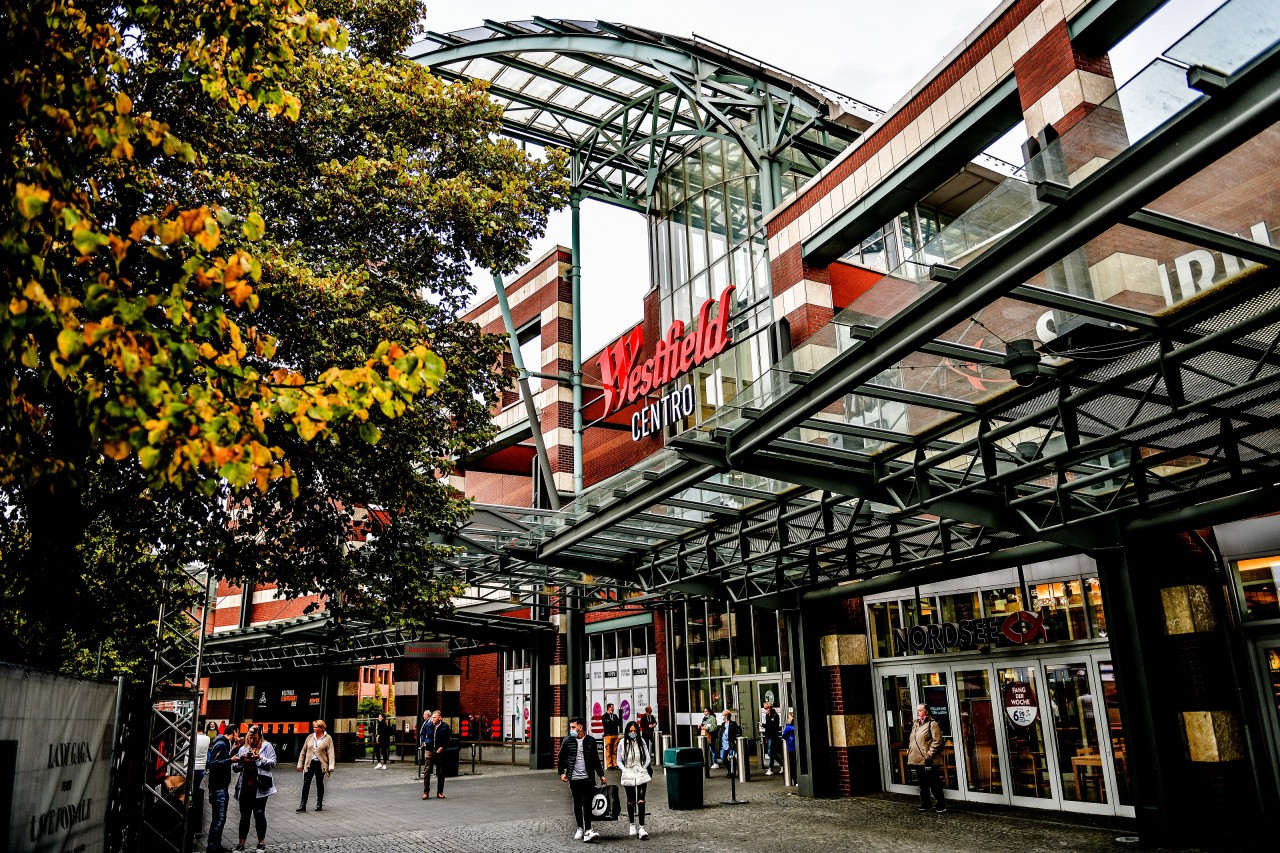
[684, 777]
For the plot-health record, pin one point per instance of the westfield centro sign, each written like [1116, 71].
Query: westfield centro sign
[627, 376]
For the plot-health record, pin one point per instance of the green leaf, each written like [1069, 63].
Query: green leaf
[236, 473]
[254, 227]
[148, 457]
[369, 433]
[88, 241]
[69, 344]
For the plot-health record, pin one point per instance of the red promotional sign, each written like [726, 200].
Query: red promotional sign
[1020, 703]
[626, 378]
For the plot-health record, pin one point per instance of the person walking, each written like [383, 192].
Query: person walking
[441, 739]
[924, 743]
[771, 729]
[612, 724]
[255, 762]
[729, 734]
[579, 764]
[218, 772]
[636, 759]
[316, 757]
[426, 739]
[648, 726]
[710, 728]
[789, 741]
[202, 752]
[382, 732]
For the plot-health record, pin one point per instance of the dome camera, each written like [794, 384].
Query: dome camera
[1022, 361]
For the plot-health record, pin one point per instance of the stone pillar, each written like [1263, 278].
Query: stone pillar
[542, 739]
[850, 706]
[343, 724]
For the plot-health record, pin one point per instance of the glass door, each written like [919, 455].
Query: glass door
[978, 713]
[1030, 781]
[897, 709]
[1082, 757]
[935, 694]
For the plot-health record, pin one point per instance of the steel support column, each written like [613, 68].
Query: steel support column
[535, 422]
[575, 646]
[575, 284]
[541, 743]
[1129, 652]
[814, 768]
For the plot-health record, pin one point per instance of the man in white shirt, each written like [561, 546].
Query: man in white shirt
[202, 755]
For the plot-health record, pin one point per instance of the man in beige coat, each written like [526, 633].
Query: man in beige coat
[925, 741]
[317, 755]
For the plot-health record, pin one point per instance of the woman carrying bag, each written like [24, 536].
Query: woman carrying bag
[635, 759]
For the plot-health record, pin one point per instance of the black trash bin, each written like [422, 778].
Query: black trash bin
[684, 777]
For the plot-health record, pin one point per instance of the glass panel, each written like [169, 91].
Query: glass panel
[933, 694]
[978, 731]
[883, 617]
[1027, 758]
[680, 639]
[958, 608]
[718, 633]
[897, 721]
[1259, 580]
[784, 646]
[697, 641]
[1062, 606]
[1075, 726]
[1115, 729]
[1231, 36]
[998, 602]
[743, 659]
[1093, 599]
[765, 629]
[595, 648]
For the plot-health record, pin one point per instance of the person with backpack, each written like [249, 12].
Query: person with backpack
[579, 764]
[710, 728]
[635, 759]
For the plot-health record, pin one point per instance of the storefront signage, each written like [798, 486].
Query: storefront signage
[1017, 629]
[1020, 703]
[427, 650]
[670, 408]
[626, 378]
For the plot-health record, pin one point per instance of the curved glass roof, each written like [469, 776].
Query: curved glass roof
[628, 101]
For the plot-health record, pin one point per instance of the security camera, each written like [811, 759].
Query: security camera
[1022, 361]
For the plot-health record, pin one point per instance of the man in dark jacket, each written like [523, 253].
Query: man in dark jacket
[612, 725]
[579, 765]
[382, 733]
[441, 739]
[218, 772]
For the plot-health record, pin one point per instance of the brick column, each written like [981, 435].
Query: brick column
[850, 717]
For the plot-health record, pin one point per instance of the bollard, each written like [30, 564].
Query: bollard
[513, 739]
[733, 781]
[744, 761]
[666, 744]
[473, 759]
[706, 755]
[787, 781]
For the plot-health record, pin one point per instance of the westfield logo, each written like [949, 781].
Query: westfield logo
[626, 378]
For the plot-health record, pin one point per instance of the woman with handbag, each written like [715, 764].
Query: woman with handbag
[635, 759]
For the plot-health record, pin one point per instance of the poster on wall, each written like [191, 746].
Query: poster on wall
[56, 762]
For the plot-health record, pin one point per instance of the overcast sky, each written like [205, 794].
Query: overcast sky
[873, 51]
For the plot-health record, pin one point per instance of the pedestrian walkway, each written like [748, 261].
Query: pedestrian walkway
[514, 809]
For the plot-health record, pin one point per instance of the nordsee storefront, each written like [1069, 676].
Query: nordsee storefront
[1016, 668]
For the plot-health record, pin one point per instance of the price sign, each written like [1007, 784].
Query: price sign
[1020, 703]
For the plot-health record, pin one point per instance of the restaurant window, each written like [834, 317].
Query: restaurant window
[883, 617]
[1093, 598]
[1001, 601]
[959, 607]
[1259, 580]
[1062, 605]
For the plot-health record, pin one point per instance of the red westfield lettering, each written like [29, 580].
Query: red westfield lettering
[626, 377]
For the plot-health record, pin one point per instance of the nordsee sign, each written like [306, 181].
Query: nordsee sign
[1017, 629]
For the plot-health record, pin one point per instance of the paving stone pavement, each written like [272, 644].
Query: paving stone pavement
[502, 808]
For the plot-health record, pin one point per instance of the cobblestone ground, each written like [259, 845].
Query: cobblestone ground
[514, 809]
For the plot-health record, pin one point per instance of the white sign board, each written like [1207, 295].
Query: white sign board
[55, 750]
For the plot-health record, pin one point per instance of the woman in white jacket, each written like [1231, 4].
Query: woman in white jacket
[635, 760]
[255, 762]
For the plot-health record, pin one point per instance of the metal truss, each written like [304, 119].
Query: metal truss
[175, 708]
[641, 98]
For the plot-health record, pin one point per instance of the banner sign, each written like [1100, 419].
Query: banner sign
[1016, 629]
[1020, 703]
[55, 758]
[427, 650]
[626, 378]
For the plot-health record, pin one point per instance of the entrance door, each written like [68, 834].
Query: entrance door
[979, 711]
[1268, 655]
[898, 708]
[1030, 781]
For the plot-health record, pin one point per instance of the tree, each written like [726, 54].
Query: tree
[235, 260]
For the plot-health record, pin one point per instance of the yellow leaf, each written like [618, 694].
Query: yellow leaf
[117, 449]
[18, 306]
[123, 104]
[209, 236]
[31, 200]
